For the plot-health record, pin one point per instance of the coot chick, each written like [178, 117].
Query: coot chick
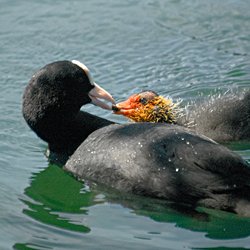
[222, 118]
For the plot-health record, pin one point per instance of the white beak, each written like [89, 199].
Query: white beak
[98, 93]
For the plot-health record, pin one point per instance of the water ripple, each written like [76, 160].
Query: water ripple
[185, 49]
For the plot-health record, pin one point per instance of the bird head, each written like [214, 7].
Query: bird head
[148, 106]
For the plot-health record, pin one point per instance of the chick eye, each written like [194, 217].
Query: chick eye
[143, 101]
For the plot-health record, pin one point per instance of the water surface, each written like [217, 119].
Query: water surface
[185, 49]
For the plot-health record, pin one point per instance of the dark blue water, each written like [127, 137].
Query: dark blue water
[185, 49]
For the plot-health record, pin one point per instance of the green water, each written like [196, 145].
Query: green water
[185, 49]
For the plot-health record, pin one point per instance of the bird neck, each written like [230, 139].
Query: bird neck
[71, 134]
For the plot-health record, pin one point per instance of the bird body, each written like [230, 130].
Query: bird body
[223, 118]
[164, 161]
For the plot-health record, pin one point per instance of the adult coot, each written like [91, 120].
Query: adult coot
[153, 159]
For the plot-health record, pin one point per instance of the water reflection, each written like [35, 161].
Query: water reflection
[53, 193]
[214, 223]
[54, 198]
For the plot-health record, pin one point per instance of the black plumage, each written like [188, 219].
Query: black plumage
[51, 106]
[164, 161]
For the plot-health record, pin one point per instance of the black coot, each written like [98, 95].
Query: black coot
[157, 160]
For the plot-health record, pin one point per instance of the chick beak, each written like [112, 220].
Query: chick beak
[124, 108]
[98, 93]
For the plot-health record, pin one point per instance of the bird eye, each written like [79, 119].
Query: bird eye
[143, 101]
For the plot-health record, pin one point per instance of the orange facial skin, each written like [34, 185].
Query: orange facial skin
[147, 107]
[128, 107]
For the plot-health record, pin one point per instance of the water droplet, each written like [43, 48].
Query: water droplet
[180, 158]
[169, 159]
[182, 139]
[188, 142]
[177, 169]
